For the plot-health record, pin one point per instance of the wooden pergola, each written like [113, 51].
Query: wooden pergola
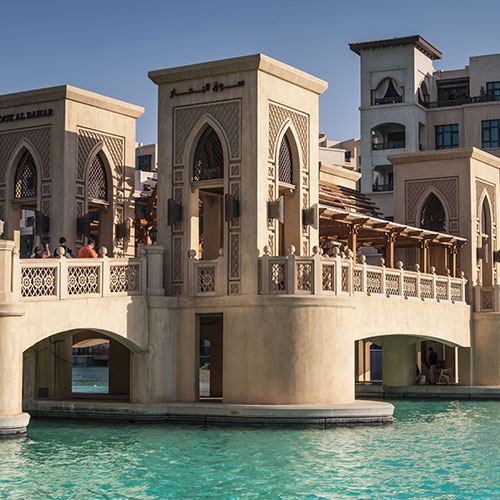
[348, 217]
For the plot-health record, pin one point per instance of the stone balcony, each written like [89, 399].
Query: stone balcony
[340, 275]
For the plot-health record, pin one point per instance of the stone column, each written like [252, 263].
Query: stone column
[464, 366]
[6, 253]
[12, 418]
[154, 254]
[399, 362]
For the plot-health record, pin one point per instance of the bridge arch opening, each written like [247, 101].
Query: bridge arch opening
[79, 364]
[401, 360]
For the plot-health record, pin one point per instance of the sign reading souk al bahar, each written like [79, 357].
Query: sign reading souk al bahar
[26, 115]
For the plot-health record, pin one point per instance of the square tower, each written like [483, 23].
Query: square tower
[238, 165]
[396, 82]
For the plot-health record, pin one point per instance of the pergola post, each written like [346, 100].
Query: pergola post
[389, 249]
[352, 240]
[452, 260]
[424, 251]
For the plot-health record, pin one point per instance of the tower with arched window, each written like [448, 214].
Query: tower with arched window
[239, 173]
[67, 169]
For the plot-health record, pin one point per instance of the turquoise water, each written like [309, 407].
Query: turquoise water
[434, 450]
[90, 379]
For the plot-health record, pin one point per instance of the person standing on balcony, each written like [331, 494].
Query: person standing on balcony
[68, 253]
[39, 254]
[87, 252]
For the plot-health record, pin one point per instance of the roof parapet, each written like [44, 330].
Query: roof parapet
[420, 43]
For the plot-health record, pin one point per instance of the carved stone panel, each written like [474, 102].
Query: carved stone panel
[89, 139]
[447, 187]
[482, 186]
[277, 116]
[227, 114]
[39, 138]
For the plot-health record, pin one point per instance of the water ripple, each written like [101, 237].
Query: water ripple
[438, 450]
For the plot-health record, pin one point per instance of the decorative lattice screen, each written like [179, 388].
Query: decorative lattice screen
[433, 216]
[208, 157]
[26, 179]
[285, 165]
[97, 185]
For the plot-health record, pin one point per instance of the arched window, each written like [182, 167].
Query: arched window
[25, 184]
[423, 93]
[208, 157]
[285, 164]
[388, 91]
[433, 216]
[97, 184]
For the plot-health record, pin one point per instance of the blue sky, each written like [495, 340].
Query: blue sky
[109, 46]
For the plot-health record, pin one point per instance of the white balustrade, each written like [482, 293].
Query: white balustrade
[338, 275]
[61, 278]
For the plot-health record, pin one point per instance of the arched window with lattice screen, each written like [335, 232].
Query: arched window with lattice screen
[97, 184]
[26, 181]
[208, 157]
[433, 216]
[285, 162]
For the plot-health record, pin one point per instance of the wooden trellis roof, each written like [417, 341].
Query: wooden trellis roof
[332, 195]
[343, 210]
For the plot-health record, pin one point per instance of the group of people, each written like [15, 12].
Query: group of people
[86, 252]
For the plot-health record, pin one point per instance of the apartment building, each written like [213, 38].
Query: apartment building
[407, 106]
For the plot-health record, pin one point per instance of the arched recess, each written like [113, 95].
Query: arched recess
[388, 135]
[388, 91]
[403, 360]
[423, 93]
[24, 195]
[99, 197]
[206, 165]
[287, 161]
[486, 240]
[433, 214]
[49, 366]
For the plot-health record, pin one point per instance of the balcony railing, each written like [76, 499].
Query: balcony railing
[460, 102]
[63, 278]
[206, 277]
[388, 100]
[377, 146]
[338, 275]
[382, 187]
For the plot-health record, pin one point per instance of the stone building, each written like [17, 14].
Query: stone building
[408, 106]
[258, 256]
[67, 160]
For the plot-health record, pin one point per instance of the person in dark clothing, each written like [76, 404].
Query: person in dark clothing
[40, 254]
[68, 253]
[433, 359]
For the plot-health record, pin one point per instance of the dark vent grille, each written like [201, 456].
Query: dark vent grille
[26, 178]
[433, 215]
[285, 166]
[97, 186]
[208, 157]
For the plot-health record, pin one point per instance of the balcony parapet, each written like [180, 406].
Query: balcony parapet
[487, 298]
[206, 277]
[61, 278]
[340, 275]
[379, 146]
